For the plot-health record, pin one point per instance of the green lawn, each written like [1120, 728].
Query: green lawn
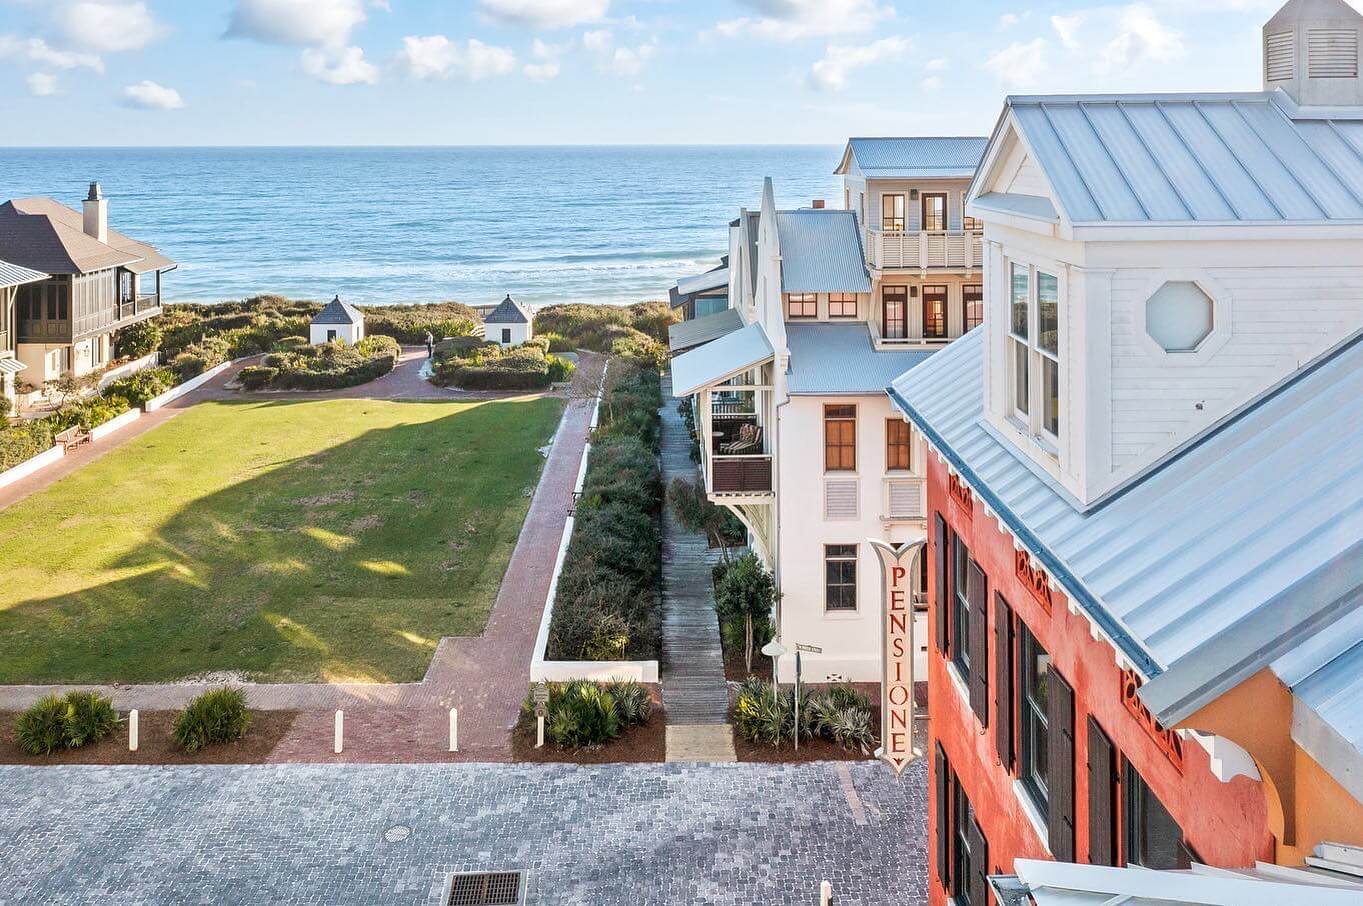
[290, 541]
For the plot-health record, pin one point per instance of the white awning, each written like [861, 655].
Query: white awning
[711, 280]
[11, 366]
[717, 362]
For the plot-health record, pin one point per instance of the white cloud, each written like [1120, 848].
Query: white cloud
[545, 13]
[1007, 21]
[791, 20]
[624, 61]
[831, 72]
[1141, 36]
[598, 41]
[932, 83]
[437, 57]
[542, 72]
[1067, 29]
[42, 84]
[1019, 63]
[108, 25]
[937, 65]
[36, 50]
[150, 96]
[300, 23]
[343, 66]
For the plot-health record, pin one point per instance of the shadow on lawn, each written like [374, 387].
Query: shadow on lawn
[346, 564]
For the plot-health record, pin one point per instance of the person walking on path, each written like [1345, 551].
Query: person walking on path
[430, 345]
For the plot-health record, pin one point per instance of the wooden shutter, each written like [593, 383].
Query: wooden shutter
[1060, 765]
[942, 602]
[1102, 781]
[977, 594]
[978, 882]
[1003, 681]
[942, 772]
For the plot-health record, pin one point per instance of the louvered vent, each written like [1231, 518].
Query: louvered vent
[1280, 56]
[905, 498]
[1332, 53]
[840, 498]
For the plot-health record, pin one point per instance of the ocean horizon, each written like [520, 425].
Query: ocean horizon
[397, 224]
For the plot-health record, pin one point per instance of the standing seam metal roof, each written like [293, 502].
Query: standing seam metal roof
[14, 275]
[917, 157]
[840, 358]
[1203, 158]
[1239, 534]
[821, 252]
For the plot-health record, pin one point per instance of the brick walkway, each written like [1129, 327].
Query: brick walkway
[617, 834]
[485, 676]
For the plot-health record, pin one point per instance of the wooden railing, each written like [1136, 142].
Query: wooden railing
[740, 475]
[903, 249]
[138, 305]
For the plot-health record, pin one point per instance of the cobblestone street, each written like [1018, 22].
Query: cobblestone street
[648, 834]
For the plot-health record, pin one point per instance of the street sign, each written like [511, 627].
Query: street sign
[810, 649]
[541, 699]
[898, 566]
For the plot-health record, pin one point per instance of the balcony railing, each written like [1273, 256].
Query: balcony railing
[740, 474]
[903, 499]
[925, 250]
[138, 305]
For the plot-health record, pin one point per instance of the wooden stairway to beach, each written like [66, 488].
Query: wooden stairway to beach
[695, 693]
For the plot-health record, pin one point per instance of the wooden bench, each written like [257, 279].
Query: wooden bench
[72, 437]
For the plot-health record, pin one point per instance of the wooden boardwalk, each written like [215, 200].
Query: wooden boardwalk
[694, 689]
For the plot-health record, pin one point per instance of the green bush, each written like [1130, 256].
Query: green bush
[137, 389]
[630, 331]
[89, 718]
[87, 413]
[560, 370]
[216, 716]
[556, 342]
[489, 367]
[257, 377]
[23, 441]
[839, 714]
[6, 407]
[327, 367]
[138, 340]
[189, 365]
[408, 324]
[581, 714]
[540, 343]
[745, 594]
[41, 730]
[292, 343]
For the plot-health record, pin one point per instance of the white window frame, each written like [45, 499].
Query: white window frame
[1032, 422]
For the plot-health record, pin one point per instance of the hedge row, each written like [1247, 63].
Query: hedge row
[486, 366]
[329, 367]
[606, 607]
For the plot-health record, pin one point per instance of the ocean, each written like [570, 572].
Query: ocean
[391, 225]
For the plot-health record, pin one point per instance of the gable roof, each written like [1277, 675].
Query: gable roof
[1203, 158]
[841, 359]
[338, 312]
[918, 157]
[509, 312]
[821, 252]
[41, 234]
[1215, 564]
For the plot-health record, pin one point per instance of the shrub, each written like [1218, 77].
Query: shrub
[839, 714]
[556, 343]
[746, 594]
[629, 331]
[408, 324]
[216, 716]
[560, 370]
[41, 730]
[89, 718]
[489, 367]
[256, 377]
[138, 340]
[87, 413]
[540, 343]
[292, 343]
[145, 385]
[843, 715]
[190, 365]
[23, 441]
[581, 714]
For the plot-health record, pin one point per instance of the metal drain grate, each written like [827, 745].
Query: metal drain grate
[486, 889]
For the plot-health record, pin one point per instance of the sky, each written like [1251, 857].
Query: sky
[546, 72]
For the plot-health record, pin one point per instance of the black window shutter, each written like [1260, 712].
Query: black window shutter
[1102, 781]
[977, 591]
[942, 602]
[1003, 681]
[979, 865]
[942, 770]
[1060, 758]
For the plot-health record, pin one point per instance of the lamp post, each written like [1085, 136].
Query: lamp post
[774, 650]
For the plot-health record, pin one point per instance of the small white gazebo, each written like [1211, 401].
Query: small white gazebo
[509, 324]
[337, 321]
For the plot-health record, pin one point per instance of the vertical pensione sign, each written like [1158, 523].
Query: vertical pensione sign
[897, 568]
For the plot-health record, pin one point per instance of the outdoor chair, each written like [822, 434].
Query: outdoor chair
[749, 442]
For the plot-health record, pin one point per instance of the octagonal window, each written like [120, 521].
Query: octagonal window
[1179, 316]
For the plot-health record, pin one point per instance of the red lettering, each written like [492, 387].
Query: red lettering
[898, 719]
[899, 623]
[897, 574]
[898, 696]
[899, 743]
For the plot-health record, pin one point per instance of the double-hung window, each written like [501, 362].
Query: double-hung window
[960, 610]
[892, 213]
[842, 305]
[840, 577]
[804, 305]
[972, 302]
[1034, 725]
[1034, 351]
[840, 438]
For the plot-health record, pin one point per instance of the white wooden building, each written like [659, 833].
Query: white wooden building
[338, 321]
[509, 324]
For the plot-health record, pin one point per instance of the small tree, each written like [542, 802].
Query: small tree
[748, 591]
[697, 513]
[137, 340]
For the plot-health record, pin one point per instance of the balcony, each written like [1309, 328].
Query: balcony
[951, 250]
[136, 306]
[740, 452]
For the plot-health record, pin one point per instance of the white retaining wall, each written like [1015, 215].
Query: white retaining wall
[542, 670]
[29, 466]
[127, 368]
[113, 424]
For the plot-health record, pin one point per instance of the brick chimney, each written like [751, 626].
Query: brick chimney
[97, 214]
[818, 204]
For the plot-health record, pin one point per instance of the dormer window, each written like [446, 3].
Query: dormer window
[1034, 352]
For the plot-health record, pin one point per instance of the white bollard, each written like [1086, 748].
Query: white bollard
[340, 730]
[825, 893]
[132, 730]
[454, 729]
[539, 733]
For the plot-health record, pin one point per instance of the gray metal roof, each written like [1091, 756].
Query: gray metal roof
[1225, 558]
[710, 280]
[14, 275]
[697, 332]
[821, 252]
[918, 157]
[1033, 207]
[338, 312]
[720, 360]
[841, 359]
[1207, 158]
[509, 312]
